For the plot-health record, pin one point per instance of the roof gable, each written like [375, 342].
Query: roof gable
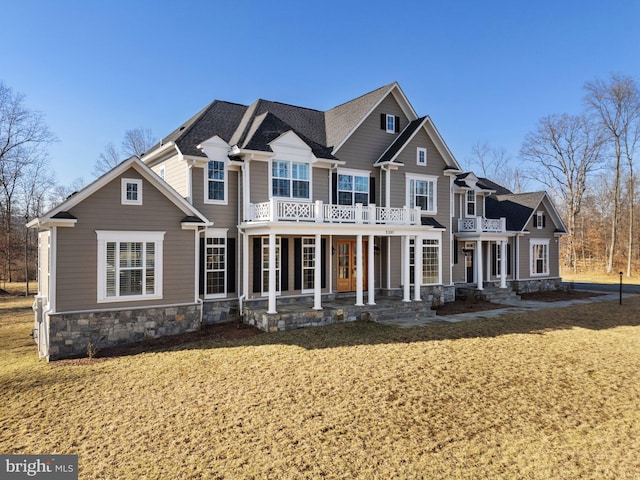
[342, 121]
[145, 172]
[518, 208]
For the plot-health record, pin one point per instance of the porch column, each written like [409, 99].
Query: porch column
[359, 276]
[317, 274]
[503, 264]
[271, 308]
[371, 274]
[417, 268]
[479, 273]
[405, 262]
[245, 265]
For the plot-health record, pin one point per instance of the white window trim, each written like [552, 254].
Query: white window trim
[162, 172]
[205, 175]
[291, 197]
[428, 178]
[123, 191]
[418, 151]
[354, 173]
[539, 220]
[393, 123]
[424, 260]
[313, 244]
[216, 233]
[467, 202]
[104, 237]
[532, 244]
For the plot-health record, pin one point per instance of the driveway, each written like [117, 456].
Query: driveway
[604, 287]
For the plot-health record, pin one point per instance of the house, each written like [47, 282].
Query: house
[283, 216]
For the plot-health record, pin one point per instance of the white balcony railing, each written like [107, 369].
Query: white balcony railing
[276, 210]
[481, 224]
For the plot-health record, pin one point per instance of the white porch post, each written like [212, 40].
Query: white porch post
[480, 273]
[417, 268]
[503, 264]
[317, 274]
[272, 274]
[371, 274]
[405, 261]
[359, 276]
[245, 264]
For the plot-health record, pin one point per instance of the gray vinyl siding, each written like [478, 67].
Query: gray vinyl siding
[321, 181]
[222, 216]
[369, 141]
[544, 233]
[259, 182]
[76, 278]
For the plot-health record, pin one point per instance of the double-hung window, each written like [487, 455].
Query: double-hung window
[471, 203]
[216, 182]
[421, 192]
[129, 265]
[308, 263]
[430, 261]
[215, 266]
[353, 188]
[290, 179]
[539, 257]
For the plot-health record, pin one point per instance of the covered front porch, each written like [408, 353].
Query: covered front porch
[345, 262]
[482, 259]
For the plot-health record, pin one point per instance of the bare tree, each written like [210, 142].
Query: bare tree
[615, 105]
[565, 149]
[24, 137]
[135, 143]
[494, 163]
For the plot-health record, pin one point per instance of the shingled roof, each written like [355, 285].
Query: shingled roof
[517, 208]
[401, 140]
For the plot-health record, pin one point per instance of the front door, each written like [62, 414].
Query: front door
[347, 265]
[468, 264]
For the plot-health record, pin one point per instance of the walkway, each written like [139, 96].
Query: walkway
[512, 307]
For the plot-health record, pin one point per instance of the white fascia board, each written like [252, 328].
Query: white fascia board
[401, 149]
[146, 173]
[148, 159]
[290, 146]
[440, 144]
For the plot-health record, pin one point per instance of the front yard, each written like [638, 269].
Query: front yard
[552, 394]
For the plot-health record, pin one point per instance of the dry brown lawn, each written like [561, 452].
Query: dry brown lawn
[549, 395]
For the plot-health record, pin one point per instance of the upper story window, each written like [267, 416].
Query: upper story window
[421, 156]
[539, 220]
[471, 203]
[421, 192]
[290, 179]
[131, 191]
[389, 123]
[353, 188]
[216, 182]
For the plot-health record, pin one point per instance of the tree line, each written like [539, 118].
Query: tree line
[28, 186]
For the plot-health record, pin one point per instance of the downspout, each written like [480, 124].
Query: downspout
[196, 285]
[387, 200]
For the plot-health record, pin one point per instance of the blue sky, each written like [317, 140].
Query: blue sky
[484, 71]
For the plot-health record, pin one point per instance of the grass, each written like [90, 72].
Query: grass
[548, 395]
[600, 276]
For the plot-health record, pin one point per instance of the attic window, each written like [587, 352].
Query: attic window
[539, 221]
[131, 191]
[421, 156]
[389, 123]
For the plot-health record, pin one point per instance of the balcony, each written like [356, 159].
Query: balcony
[277, 210]
[482, 225]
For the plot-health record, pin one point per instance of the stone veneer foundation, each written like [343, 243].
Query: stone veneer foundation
[70, 334]
[536, 285]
